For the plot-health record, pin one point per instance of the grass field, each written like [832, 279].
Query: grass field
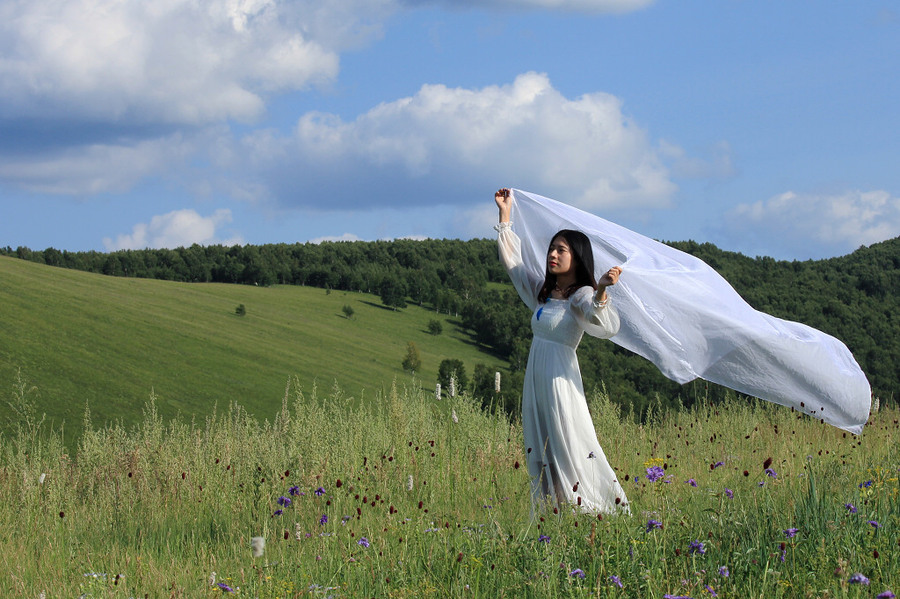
[408, 496]
[108, 343]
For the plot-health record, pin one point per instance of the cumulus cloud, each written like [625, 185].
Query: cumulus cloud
[180, 228]
[94, 168]
[443, 143]
[839, 222]
[178, 61]
[344, 237]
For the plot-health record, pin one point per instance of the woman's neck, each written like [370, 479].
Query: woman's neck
[565, 281]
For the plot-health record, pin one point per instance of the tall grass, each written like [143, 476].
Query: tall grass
[410, 496]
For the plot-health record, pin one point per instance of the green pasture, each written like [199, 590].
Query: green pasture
[407, 496]
[84, 339]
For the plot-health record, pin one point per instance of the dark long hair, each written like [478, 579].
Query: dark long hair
[583, 258]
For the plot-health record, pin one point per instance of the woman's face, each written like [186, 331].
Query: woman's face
[559, 257]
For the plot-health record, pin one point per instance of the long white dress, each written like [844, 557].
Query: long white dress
[564, 457]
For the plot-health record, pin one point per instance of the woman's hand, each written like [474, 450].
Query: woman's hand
[610, 277]
[503, 198]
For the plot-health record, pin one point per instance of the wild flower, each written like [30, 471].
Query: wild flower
[723, 572]
[284, 501]
[225, 588]
[320, 491]
[577, 572]
[729, 493]
[543, 539]
[42, 478]
[363, 542]
[717, 464]
[212, 579]
[323, 520]
[651, 524]
[667, 596]
[591, 456]
[295, 490]
[858, 579]
[886, 595]
[496, 382]
[691, 482]
[866, 484]
[873, 523]
[791, 532]
[850, 508]
[696, 547]
[258, 545]
[409, 483]
[616, 581]
[654, 473]
[278, 512]
[437, 392]
[454, 417]
[771, 473]
[710, 590]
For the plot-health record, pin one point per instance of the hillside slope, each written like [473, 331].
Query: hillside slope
[109, 342]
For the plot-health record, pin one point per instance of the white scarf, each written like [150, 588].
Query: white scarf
[677, 312]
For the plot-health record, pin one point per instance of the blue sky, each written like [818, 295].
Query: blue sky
[768, 128]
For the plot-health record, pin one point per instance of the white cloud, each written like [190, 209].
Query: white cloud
[842, 222]
[718, 166]
[180, 228]
[443, 143]
[175, 61]
[344, 237]
[94, 168]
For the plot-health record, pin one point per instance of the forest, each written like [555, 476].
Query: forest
[852, 297]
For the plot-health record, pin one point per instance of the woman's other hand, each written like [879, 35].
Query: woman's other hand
[610, 277]
[503, 199]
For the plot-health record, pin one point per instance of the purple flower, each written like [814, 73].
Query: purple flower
[858, 579]
[873, 523]
[277, 512]
[323, 520]
[363, 541]
[295, 490]
[771, 473]
[616, 580]
[651, 524]
[696, 547]
[691, 482]
[866, 484]
[723, 572]
[654, 473]
[225, 588]
[783, 555]
[885, 595]
[850, 508]
[320, 491]
[711, 591]
[284, 501]
[729, 493]
[717, 464]
[577, 572]
[591, 456]
[543, 539]
[791, 532]
[667, 596]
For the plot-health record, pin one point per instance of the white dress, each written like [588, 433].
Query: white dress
[564, 457]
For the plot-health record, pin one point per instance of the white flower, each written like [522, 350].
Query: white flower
[43, 476]
[452, 386]
[298, 531]
[453, 416]
[496, 382]
[437, 392]
[409, 483]
[212, 579]
[258, 544]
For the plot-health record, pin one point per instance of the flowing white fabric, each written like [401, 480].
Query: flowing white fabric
[564, 457]
[677, 312]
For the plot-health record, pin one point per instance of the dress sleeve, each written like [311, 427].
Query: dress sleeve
[596, 318]
[526, 283]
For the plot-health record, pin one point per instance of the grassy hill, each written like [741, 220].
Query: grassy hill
[109, 342]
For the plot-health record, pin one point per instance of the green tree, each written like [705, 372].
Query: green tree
[348, 310]
[452, 368]
[435, 327]
[412, 362]
[393, 292]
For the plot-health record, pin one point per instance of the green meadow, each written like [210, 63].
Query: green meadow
[191, 452]
[107, 343]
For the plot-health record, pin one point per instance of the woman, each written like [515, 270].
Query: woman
[564, 458]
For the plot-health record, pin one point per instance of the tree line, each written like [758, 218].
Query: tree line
[852, 297]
